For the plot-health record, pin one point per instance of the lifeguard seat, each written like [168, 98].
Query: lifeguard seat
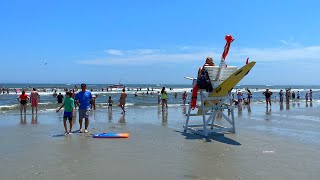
[217, 75]
[213, 72]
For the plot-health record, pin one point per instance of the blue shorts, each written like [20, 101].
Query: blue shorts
[67, 115]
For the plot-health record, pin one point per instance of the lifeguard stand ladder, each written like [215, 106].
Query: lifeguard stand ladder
[209, 113]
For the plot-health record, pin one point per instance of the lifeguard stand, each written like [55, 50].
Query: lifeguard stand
[218, 104]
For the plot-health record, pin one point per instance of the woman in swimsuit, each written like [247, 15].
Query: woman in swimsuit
[164, 97]
[23, 99]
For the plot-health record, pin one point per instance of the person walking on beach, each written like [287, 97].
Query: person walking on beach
[23, 99]
[298, 95]
[184, 97]
[83, 99]
[310, 95]
[122, 101]
[34, 99]
[164, 97]
[68, 105]
[110, 103]
[307, 97]
[268, 95]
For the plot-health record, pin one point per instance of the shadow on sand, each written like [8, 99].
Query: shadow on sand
[220, 137]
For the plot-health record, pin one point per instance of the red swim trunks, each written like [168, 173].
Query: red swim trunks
[34, 102]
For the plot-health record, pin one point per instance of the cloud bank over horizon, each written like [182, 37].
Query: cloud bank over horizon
[141, 57]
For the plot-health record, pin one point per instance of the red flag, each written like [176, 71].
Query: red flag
[247, 61]
[229, 40]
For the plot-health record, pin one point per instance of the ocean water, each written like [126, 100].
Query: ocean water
[48, 102]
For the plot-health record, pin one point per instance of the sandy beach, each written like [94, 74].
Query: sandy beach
[281, 144]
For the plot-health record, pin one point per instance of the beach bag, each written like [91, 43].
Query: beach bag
[203, 81]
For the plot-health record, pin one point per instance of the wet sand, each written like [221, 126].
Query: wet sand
[276, 144]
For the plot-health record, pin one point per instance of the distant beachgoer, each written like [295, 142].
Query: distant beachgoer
[60, 98]
[298, 95]
[293, 95]
[175, 95]
[235, 102]
[287, 95]
[136, 94]
[122, 100]
[245, 102]
[268, 95]
[281, 96]
[110, 101]
[307, 96]
[55, 94]
[23, 99]
[68, 105]
[159, 97]
[164, 97]
[239, 96]
[73, 95]
[34, 99]
[83, 99]
[184, 97]
[93, 102]
[249, 96]
[310, 95]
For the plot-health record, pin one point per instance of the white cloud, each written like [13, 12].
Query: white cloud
[114, 52]
[144, 51]
[147, 56]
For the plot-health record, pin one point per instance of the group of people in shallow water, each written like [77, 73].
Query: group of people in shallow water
[288, 95]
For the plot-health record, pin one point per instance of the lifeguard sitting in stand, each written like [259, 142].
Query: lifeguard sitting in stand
[203, 81]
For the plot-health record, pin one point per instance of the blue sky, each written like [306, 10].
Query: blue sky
[157, 42]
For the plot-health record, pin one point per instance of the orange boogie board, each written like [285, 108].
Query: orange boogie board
[227, 85]
[111, 135]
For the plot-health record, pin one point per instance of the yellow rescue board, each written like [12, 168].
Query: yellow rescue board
[227, 85]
